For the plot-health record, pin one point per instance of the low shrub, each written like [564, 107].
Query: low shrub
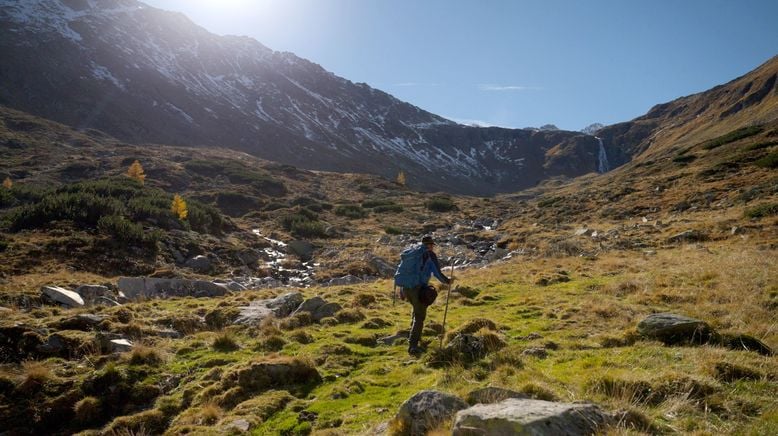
[440, 204]
[390, 230]
[763, 210]
[769, 161]
[353, 211]
[225, 342]
[732, 136]
[388, 208]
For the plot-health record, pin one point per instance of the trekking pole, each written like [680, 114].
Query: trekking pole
[448, 294]
[394, 294]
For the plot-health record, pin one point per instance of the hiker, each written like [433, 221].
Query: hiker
[417, 265]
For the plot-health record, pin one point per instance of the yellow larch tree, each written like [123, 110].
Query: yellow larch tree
[401, 178]
[136, 172]
[7, 183]
[178, 207]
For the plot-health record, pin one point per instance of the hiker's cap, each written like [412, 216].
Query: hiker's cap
[427, 240]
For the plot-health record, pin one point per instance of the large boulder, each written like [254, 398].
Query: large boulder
[529, 417]
[151, 287]
[199, 263]
[426, 410]
[83, 322]
[63, 296]
[279, 307]
[319, 308]
[90, 293]
[672, 329]
[380, 265]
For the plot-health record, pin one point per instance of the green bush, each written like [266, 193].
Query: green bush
[763, 210]
[120, 228]
[769, 161]
[733, 136]
[393, 230]
[309, 229]
[238, 174]
[369, 204]
[761, 145]
[83, 208]
[353, 211]
[388, 208]
[440, 204]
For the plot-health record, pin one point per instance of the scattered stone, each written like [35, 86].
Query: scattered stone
[688, 236]
[743, 342]
[382, 266]
[540, 353]
[674, 329]
[530, 417]
[83, 322]
[105, 301]
[240, 425]
[467, 347]
[491, 395]
[278, 307]
[151, 287]
[345, 280]
[90, 293]
[55, 344]
[120, 345]
[199, 263]
[63, 296]
[426, 410]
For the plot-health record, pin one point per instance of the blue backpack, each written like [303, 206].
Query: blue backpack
[409, 271]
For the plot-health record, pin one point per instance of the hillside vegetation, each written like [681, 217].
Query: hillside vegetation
[568, 270]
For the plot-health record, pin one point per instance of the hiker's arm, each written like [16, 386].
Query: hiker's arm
[435, 268]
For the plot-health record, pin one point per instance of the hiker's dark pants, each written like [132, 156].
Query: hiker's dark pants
[419, 313]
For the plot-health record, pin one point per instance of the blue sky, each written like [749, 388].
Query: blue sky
[513, 63]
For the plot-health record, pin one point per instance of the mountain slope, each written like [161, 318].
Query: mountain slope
[146, 75]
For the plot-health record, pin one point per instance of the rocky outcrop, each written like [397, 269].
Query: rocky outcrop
[426, 410]
[319, 308]
[279, 307]
[491, 395]
[673, 329]
[63, 296]
[530, 418]
[151, 287]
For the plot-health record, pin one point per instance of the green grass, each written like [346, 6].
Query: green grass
[769, 161]
[732, 136]
[762, 211]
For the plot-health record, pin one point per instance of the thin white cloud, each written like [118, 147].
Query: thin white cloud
[502, 88]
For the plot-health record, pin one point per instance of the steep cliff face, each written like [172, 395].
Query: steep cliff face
[147, 75]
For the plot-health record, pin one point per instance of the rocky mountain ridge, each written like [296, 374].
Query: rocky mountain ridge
[146, 75]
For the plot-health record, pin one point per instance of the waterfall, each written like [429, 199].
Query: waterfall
[602, 159]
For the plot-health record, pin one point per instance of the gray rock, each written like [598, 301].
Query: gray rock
[467, 346]
[120, 345]
[199, 263]
[310, 305]
[150, 287]
[301, 249]
[672, 329]
[90, 293]
[83, 322]
[278, 307]
[235, 286]
[384, 268]
[55, 344]
[688, 236]
[530, 418]
[491, 395]
[538, 352]
[426, 410]
[63, 296]
[105, 301]
[240, 425]
[345, 280]
[325, 311]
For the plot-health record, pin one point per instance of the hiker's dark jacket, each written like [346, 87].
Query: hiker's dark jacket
[430, 266]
